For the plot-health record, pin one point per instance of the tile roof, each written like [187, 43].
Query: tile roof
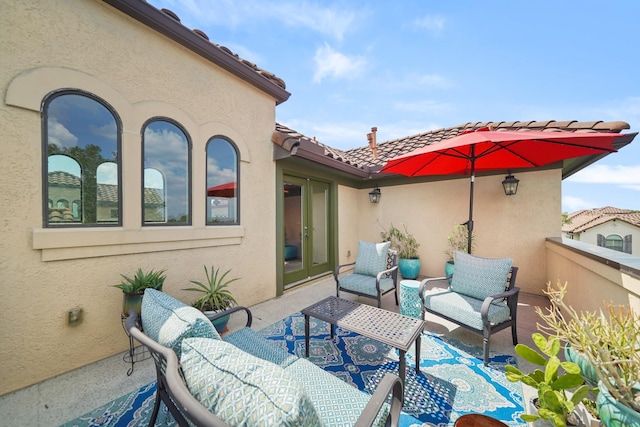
[107, 193]
[588, 218]
[168, 23]
[363, 158]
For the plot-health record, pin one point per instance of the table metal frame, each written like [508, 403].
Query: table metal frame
[381, 325]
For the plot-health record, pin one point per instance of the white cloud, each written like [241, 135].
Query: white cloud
[572, 204]
[628, 176]
[434, 24]
[331, 63]
[423, 107]
[434, 80]
[59, 135]
[329, 21]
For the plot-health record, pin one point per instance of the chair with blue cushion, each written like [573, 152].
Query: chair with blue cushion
[375, 273]
[482, 296]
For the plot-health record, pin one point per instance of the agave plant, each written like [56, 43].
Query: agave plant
[141, 281]
[215, 294]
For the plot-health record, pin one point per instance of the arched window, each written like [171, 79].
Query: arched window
[167, 174]
[222, 182]
[81, 133]
[613, 241]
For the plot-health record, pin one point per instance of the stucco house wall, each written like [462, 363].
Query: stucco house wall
[619, 227]
[45, 272]
[514, 226]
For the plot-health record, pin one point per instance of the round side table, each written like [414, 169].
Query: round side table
[410, 304]
[478, 420]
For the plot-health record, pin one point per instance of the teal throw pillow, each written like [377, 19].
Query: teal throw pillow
[479, 277]
[372, 258]
[242, 389]
[168, 321]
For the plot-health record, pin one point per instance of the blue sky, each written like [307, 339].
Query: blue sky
[408, 67]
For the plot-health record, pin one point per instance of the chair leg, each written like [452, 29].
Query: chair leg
[156, 406]
[485, 346]
[514, 334]
[396, 295]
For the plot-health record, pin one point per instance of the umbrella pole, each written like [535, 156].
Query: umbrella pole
[473, 179]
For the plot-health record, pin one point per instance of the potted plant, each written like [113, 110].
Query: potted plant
[458, 240]
[133, 288]
[610, 340]
[407, 246]
[552, 403]
[215, 296]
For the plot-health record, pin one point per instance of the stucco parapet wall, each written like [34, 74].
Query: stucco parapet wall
[67, 243]
[625, 263]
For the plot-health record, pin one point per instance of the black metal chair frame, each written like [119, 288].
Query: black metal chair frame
[188, 411]
[510, 295]
[393, 272]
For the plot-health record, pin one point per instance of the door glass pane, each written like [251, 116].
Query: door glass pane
[293, 227]
[319, 220]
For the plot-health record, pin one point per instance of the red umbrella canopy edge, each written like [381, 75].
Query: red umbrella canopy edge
[486, 150]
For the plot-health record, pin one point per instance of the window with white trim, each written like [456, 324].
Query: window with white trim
[222, 182]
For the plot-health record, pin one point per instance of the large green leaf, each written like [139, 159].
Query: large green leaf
[530, 355]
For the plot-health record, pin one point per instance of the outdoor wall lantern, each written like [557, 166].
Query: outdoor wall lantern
[510, 185]
[374, 195]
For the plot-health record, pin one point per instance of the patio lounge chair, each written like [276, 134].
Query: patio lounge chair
[206, 380]
[375, 272]
[482, 296]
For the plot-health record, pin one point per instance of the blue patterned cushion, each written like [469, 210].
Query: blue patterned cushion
[248, 340]
[337, 402]
[365, 284]
[242, 389]
[168, 321]
[480, 277]
[372, 258]
[464, 309]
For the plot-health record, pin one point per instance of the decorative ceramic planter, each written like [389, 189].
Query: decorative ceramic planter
[220, 323]
[409, 268]
[613, 413]
[448, 269]
[581, 360]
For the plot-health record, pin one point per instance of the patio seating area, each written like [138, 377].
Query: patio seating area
[59, 400]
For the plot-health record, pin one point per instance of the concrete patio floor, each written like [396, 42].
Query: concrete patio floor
[59, 400]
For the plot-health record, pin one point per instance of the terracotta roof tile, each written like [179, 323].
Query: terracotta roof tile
[362, 157]
[588, 218]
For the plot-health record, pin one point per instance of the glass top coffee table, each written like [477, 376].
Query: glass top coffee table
[381, 325]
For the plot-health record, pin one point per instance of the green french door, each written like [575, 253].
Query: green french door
[306, 228]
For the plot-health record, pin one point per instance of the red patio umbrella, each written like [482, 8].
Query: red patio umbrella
[223, 190]
[484, 150]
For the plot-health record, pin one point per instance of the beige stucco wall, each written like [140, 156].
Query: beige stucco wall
[514, 226]
[590, 282]
[45, 272]
[621, 228]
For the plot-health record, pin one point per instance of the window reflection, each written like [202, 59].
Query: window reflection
[166, 177]
[81, 136]
[222, 182]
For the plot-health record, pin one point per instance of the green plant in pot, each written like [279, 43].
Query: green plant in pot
[215, 296]
[407, 246]
[552, 383]
[133, 288]
[458, 240]
[610, 340]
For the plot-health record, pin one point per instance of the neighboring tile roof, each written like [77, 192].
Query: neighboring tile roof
[107, 193]
[588, 218]
[362, 157]
[168, 23]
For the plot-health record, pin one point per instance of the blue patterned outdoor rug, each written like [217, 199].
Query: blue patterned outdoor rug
[453, 380]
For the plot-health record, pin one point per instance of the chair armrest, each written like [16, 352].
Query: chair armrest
[484, 310]
[168, 370]
[383, 272]
[390, 384]
[220, 314]
[423, 286]
[337, 270]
